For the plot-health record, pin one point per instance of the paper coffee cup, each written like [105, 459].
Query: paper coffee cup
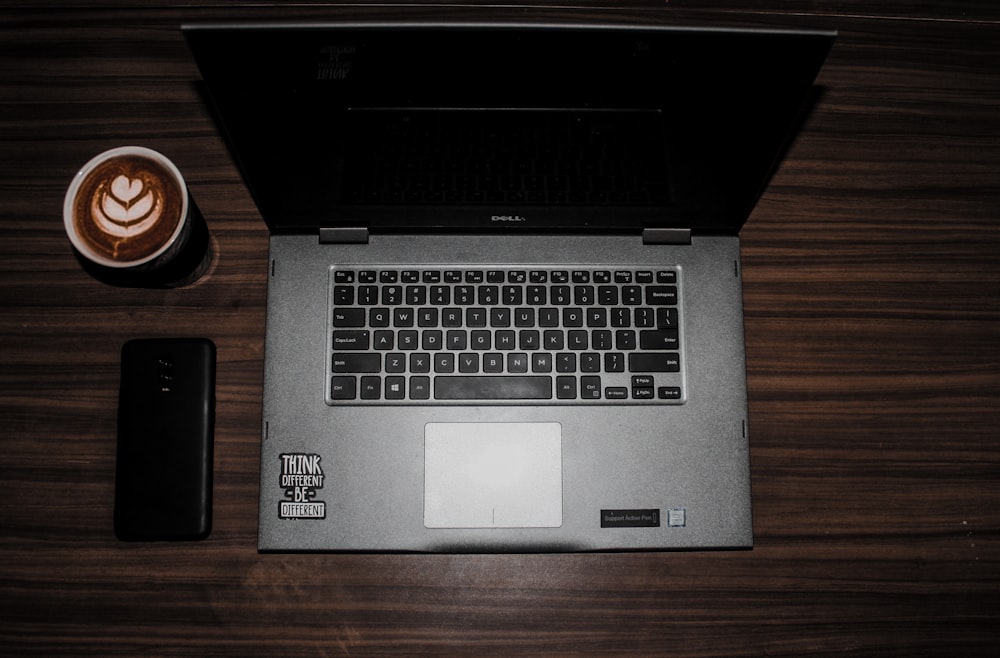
[131, 219]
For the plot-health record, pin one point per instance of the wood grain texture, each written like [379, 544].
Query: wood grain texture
[871, 272]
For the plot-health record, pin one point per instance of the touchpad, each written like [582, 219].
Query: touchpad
[493, 475]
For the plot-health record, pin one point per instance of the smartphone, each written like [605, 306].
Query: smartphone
[166, 421]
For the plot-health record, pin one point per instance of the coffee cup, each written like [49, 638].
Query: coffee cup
[132, 222]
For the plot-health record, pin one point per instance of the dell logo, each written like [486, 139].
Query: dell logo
[507, 218]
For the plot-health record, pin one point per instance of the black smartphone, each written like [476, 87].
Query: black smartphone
[166, 420]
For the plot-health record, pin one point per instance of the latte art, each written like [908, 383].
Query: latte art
[127, 208]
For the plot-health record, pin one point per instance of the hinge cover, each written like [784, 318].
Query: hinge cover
[666, 236]
[344, 235]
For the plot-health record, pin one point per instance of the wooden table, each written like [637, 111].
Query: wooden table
[872, 288]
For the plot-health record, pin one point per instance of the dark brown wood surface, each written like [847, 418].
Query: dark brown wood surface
[872, 294]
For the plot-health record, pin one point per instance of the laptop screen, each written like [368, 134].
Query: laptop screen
[408, 127]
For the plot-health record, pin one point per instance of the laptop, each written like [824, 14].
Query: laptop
[504, 286]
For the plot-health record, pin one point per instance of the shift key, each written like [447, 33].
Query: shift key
[357, 362]
[350, 340]
[654, 362]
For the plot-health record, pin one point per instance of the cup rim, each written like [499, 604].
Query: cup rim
[78, 178]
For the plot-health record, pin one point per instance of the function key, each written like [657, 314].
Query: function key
[410, 276]
[474, 276]
[452, 276]
[517, 276]
[343, 276]
[367, 276]
[623, 276]
[644, 276]
[388, 276]
[581, 276]
[666, 276]
[494, 276]
[602, 276]
[560, 276]
[538, 276]
[432, 276]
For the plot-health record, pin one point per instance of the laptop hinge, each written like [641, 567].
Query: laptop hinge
[344, 235]
[666, 236]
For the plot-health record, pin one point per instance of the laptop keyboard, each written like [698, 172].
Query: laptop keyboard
[512, 335]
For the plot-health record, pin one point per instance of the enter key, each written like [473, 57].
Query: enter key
[662, 339]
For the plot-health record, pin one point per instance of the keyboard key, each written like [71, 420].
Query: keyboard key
[493, 362]
[669, 392]
[631, 295]
[517, 362]
[590, 388]
[583, 295]
[661, 296]
[654, 362]
[642, 381]
[665, 339]
[395, 362]
[642, 393]
[384, 340]
[351, 340]
[402, 317]
[343, 388]
[541, 362]
[343, 295]
[468, 362]
[348, 317]
[572, 317]
[444, 362]
[475, 316]
[427, 317]
[493, 388]
[666, 317]
[408, 340]
[614, 362]
[357, 362]
[666, 276]
[565, 362]
[395, 388]
[566, 387]
[420, 362]
[616, 393]
[416, 295]
[420, 388]
[371, 387]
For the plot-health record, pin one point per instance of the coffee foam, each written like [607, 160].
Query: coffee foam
[127, 208]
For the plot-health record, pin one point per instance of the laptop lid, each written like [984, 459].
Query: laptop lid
[410, 127]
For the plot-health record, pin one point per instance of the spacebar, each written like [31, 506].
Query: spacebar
[492, 388]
